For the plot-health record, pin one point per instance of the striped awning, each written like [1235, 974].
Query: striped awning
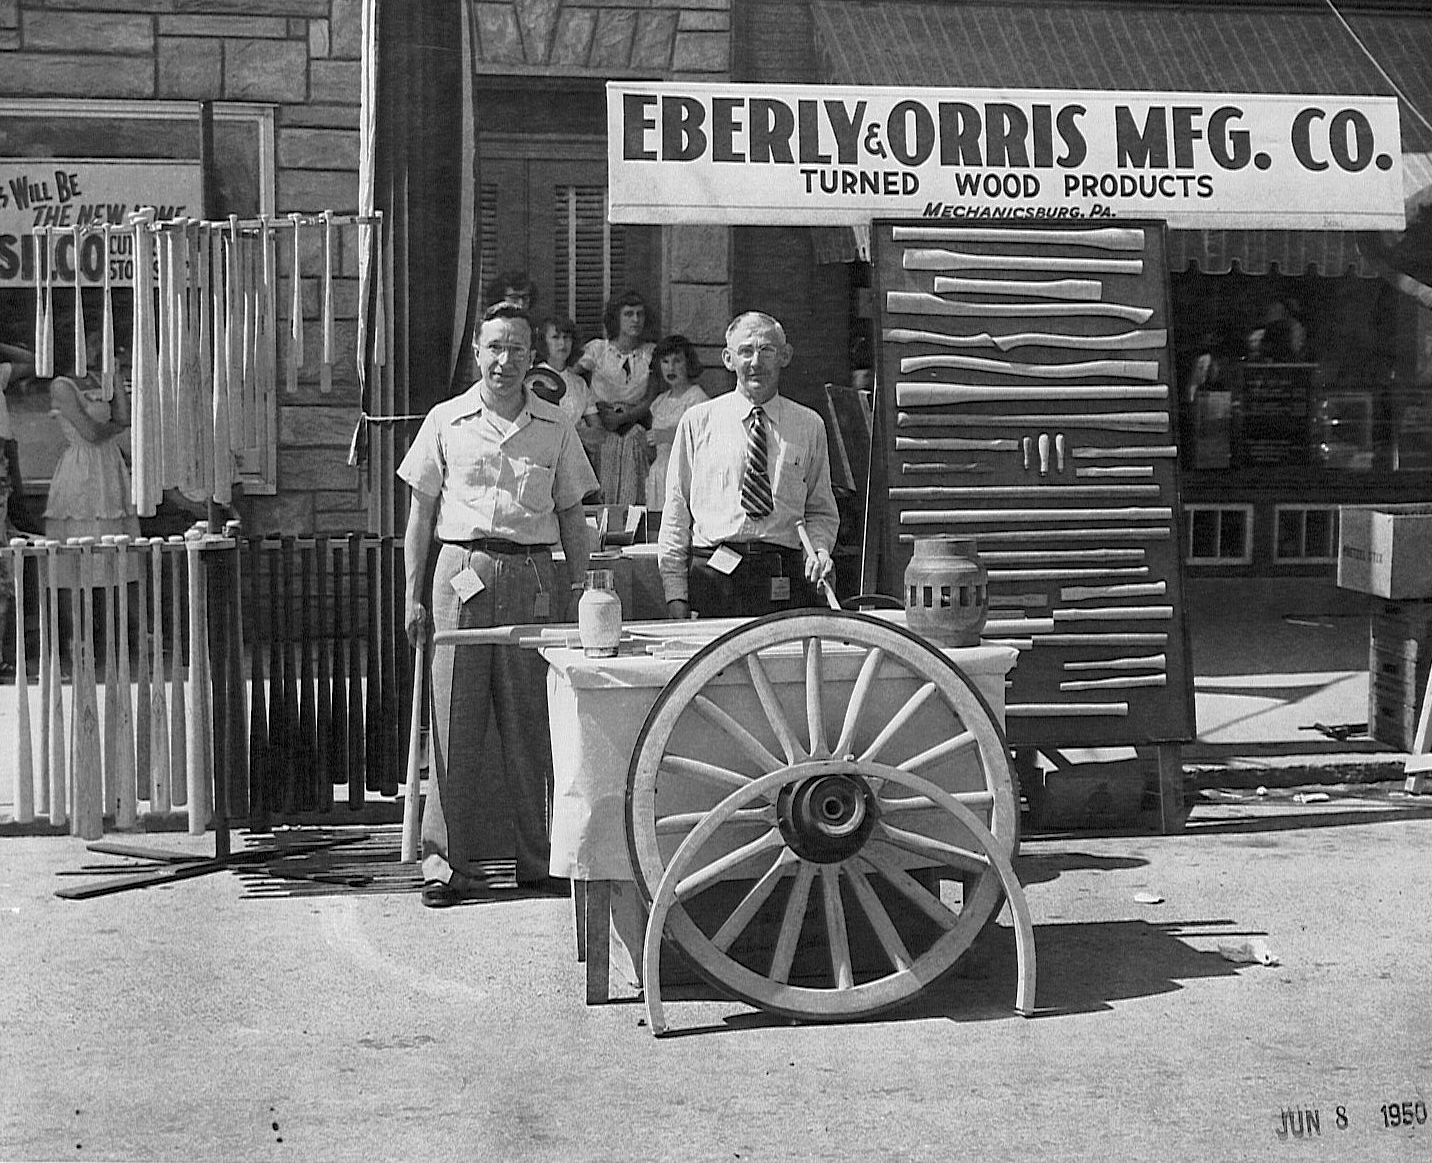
[1096, 46]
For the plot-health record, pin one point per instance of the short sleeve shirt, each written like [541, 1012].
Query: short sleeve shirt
[498, 480]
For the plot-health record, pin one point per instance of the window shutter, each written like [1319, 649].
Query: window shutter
[589, 256]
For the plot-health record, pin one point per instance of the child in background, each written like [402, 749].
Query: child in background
[556, 341]
[676, 367]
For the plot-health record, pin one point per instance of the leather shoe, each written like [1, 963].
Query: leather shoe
[439, 895]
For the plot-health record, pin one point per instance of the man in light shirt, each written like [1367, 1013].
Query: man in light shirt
[745, 469]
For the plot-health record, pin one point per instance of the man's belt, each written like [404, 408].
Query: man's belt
[498, 545]
[744, 548]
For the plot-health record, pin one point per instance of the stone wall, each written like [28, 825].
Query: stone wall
[301, 57]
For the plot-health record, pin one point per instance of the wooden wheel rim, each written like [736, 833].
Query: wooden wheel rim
[839, 1001]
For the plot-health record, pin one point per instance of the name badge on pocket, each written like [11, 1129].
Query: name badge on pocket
[780, 589]
[466, 584]
[724, 560]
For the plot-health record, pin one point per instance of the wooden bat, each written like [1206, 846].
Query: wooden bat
[1064, 710]
[373, 740]
[412, 785]
[42, 596]
[109, 725]
[402, 652]
[1111, 421]
[235, 680]
[908, 394]
[197, 708]
[106, 318]
[178, 725]
[389, 621]
[1115, 614]
[126, 807]
[222, 434]
[306, 754]
[323, 717]
[1044, 536]
[268, 365]
[339, 740]
[1081, 290]
[809, 546]
[24, 801]
[1154, 451]
[356, 792]
[1151, 638]
[975, 516]
[85, 748]
[1144, 662]
[1029, 575]
[1007, 626]
[965, 492]
[1059, 450]
[1026, 451]
[1127, 472]
[916, 259]
[77, 325]
[295, 311]
[1052, 556]
[924, 303]
[1128, 680]
[261, 798]
[223, 747]
[325, 366]
[1134, 590]
[1044, 454]
[143, 755]
[1134, 369]
[1102, 237]
[280, 724]
[157, 710]
[54, 692]
[954, 444]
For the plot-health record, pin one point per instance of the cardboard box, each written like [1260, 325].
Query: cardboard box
[1386, 550]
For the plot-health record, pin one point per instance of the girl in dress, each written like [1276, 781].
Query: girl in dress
[676, 368]
[556, 342]
[619, 366]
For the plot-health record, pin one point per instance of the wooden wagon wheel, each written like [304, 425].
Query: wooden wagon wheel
[908, 713]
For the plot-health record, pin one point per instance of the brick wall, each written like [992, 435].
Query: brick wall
[301, 57]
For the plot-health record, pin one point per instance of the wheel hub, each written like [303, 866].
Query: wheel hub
[826, 818]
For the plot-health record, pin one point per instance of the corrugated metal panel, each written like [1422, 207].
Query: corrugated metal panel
[1004, 45]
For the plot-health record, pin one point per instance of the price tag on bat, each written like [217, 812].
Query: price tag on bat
[466, 584]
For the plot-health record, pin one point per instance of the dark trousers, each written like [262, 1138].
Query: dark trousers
[482, 807]
[746, 591]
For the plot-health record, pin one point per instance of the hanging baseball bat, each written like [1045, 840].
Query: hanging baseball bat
[1078, 290]
[1029, 575]
[85, 748]
[261, 800]
[178, 709]
[356, 624]
[954, 444]
[1133, 369]
[126, 807]
[280, 726]
[198, 771]
[325, 366]
[1111, 421]
[158, 712]
[924, 303]
[24, 801]
[338, 739]
[968, 492]
[373, 741]
[976, 516]
[1153, 451]
[323, 717]
[143, 755]
[1115, 614]
[412, 784]
[54, 690]
[826, 588]
[1101, 237]
[295, 311]
[914, 395]
[109, 725]
[1143, 662]
[918, 259]
[1053, 556]
[307, 751]
[1129, 680]
[1134, 590]
[1125, 472]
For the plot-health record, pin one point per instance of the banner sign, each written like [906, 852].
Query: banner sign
[63, 193]
[812, 155]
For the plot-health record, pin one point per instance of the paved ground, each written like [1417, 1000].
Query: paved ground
[243, 1016]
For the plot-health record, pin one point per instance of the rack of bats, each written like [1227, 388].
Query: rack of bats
[219, 677]
[1032, 413]
[209, 301]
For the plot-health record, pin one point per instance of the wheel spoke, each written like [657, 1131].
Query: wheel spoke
[880, 921]
[751, 903]
[859, 694]
[705, 877]
[771, 704]
[752, 746]
[932, 849]
[921, 897]
[722, 777]
[835, 927]
[815, 708]
[791, 923]
[942, 750]
[971, 799]
[685, 821]
[899, 722]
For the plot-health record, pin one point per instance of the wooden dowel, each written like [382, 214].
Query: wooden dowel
[1126, 472]
[325, 366]
[1065, 710]
[1151, 638]
[1110, 421]
[955, 444]
[1054, 556]
[1134, 452]
[1009, 492]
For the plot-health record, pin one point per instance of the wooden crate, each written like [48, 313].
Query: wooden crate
[1399, 660]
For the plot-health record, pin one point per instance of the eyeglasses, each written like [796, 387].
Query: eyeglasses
[512, 350]
[765, 351]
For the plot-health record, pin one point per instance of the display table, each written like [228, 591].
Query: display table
[596, 709]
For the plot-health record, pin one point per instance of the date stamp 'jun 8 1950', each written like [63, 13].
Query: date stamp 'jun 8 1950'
[1308, 1122]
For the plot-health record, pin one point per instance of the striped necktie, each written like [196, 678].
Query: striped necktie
[756, 497]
